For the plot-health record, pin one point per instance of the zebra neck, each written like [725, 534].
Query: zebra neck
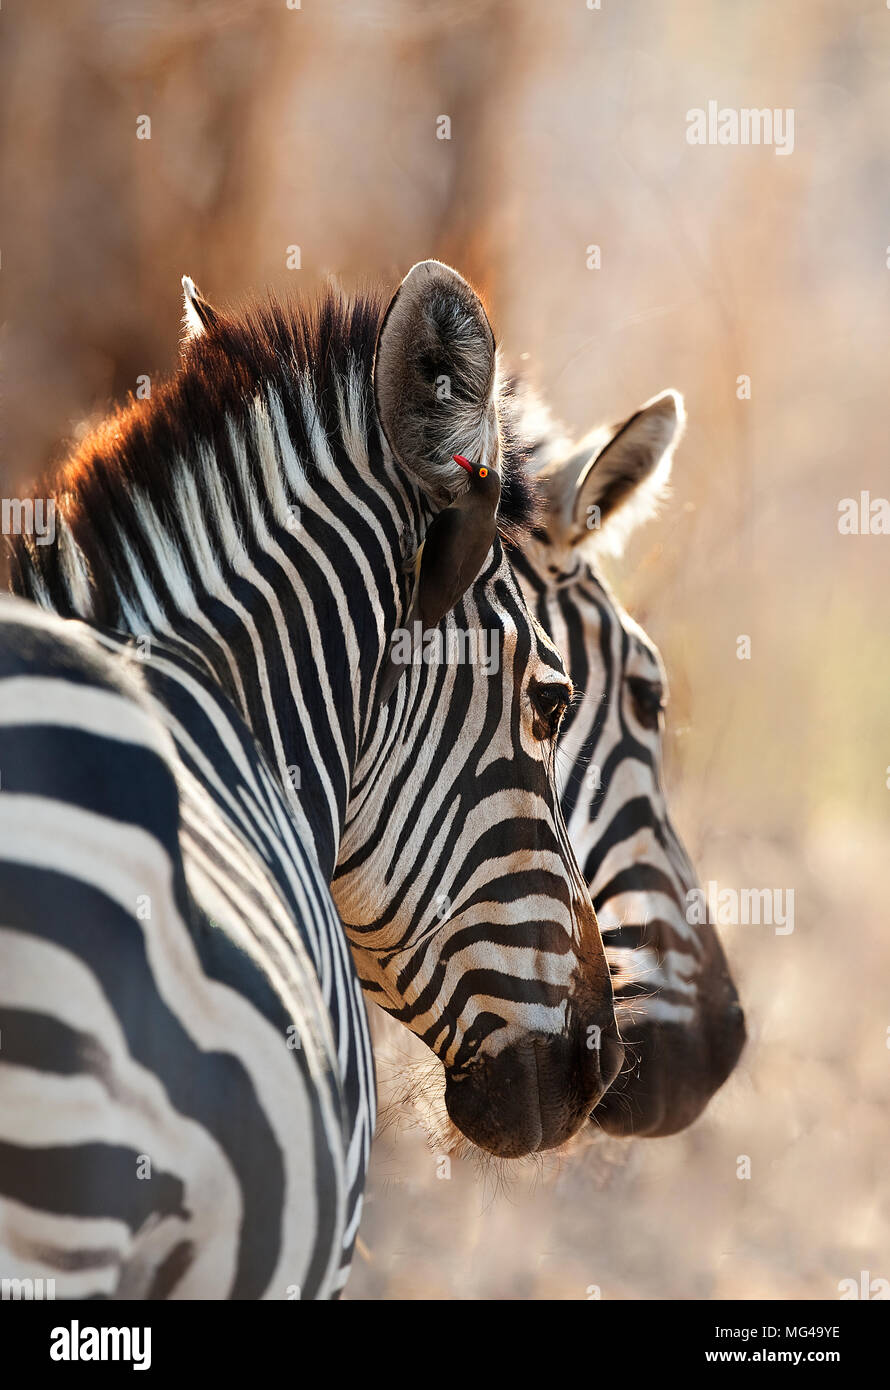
[265, 539]
[292, 651]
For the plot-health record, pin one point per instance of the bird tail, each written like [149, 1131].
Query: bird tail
[389, 679]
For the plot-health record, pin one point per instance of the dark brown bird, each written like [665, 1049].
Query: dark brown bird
[450, 558]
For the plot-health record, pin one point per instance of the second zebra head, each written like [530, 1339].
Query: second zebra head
[676, 1001]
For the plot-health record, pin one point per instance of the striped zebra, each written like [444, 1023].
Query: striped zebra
[191, 753]
[676, 1003]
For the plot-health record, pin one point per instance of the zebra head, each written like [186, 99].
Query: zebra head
[258, 519]
[469, 918]
[676, 1003]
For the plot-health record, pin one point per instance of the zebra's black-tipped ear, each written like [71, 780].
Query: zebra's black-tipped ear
[617, 481]
[198, 316]
[434, 376]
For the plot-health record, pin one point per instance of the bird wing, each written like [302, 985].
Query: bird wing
[454, 552]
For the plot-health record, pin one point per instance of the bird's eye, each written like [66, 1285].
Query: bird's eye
[549, 702]
[648, 700]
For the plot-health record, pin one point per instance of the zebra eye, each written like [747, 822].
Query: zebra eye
[648, 700]
[549, 703]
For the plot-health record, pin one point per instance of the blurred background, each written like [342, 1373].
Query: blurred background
[317, 128]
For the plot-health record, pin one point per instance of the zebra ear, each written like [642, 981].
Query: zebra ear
[198, 316]
[434, 376]
[620, 480]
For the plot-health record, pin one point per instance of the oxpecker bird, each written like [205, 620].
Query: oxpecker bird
[450, 558]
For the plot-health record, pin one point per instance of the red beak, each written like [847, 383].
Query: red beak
[464, 463]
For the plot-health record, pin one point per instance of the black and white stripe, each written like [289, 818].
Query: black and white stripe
[675, 1001]
[191, 751]
[166, 934]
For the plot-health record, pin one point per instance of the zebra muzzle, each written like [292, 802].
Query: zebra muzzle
[534, 1094]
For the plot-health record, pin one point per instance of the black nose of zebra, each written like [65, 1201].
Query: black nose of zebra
[535, 1094]
[673, 1070]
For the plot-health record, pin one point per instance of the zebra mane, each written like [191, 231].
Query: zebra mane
[298, 354]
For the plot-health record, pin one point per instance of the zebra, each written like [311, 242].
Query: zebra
[213, 836]
[676, 1003]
